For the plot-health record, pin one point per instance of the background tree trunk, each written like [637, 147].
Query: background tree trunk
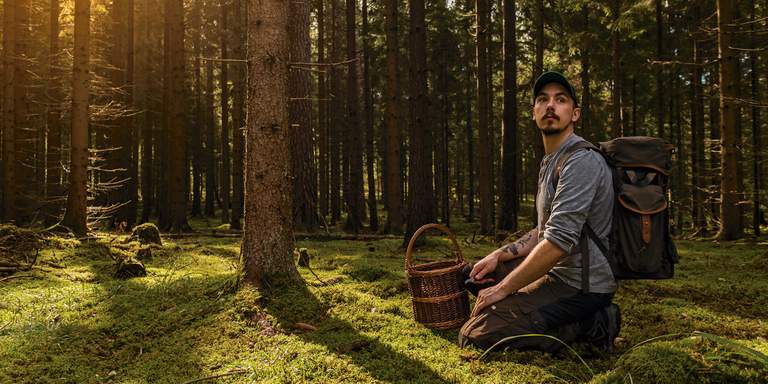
[300, 119]
[75, 216]
[224, 85]
[509, 206]
[617, 119]
[196, 139]
[757, 147]
[485, 163]
[9, 132]
[238, 115]
[729, 193]
[353, 137]
[392, 160]
[337, 105]
[421, 206]
[322, 115]
[54, 187]
[176, 128]
[370, 154]
[267, 255]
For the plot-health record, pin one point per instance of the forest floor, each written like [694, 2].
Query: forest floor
[72, 321]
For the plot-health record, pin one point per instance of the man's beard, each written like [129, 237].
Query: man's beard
[551, 130]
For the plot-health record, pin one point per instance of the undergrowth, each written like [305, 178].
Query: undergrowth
[72, 321]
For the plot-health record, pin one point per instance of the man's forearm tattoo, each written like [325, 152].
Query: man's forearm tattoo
[514, 248]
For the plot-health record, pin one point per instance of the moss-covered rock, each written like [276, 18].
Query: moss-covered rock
[146, 233]
[130, 267]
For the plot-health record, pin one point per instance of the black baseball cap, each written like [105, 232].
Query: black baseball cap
[554, 77]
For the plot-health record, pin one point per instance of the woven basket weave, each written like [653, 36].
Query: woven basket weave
[439, 298]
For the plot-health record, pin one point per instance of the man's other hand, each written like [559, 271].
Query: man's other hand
[488, 297]
[484, 267]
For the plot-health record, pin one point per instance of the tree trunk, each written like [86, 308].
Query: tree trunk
[659, 70]
[322, 115]
[586, 95]
[196, 139]
[147, 190]
[224, 85]
[392, 159]
[729, 193]
[509, 206]
[698, 219]
[421, 206]
[337, 106]
[54, 187]
[300, 118]
[370, 154]
[75, 216]
[354, 150]
[210, 152]
[617, 120]
[756, 142]
[484, 135]
[538, 68]
[238, 116]
[9, 137]
[714, 146]
[176, 128]
[24, 146]
[132, 192]
[268, 255]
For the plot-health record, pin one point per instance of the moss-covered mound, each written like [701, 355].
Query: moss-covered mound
[696, 359]
[146, 233]
[18, 246]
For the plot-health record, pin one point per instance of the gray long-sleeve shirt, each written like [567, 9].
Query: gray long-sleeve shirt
[584, 193]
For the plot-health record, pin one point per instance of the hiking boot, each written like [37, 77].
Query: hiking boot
[613, 313]
[603, 328]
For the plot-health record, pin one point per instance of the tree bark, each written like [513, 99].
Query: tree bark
[75, 216]
[617, 119]
[268, 255]
[421, 206]
[392, 160]
[322, 115]
[354, 151]
[196, 139]
[370, 154]
[698, 219]
[485, 162]
[176, 128]
[659, 70]
[224, 85]
[729, 194]
[756, 139]
[54, 187]
[210, 151]
[24, 136]
[337, 106]
[586, 94]
[509, 206]
[147, 189]
[9, 137]
[300, 118]
[238, 116]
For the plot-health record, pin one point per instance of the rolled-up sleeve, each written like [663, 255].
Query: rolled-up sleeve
[573, 198]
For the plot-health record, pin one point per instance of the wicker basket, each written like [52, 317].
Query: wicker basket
[439, 298]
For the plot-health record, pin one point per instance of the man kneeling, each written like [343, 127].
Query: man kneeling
[537, 284]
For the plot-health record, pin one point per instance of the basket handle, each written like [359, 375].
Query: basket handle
[419, 232]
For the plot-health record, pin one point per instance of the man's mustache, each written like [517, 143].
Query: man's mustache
[550, 115]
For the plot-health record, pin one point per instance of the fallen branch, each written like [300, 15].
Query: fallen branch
[14, 277]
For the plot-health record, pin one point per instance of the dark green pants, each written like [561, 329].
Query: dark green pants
[546, 306]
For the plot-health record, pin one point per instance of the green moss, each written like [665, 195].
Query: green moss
[186, 319]
[147, 233]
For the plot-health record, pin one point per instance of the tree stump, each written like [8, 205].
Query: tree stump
[146, 233]
[130, 267]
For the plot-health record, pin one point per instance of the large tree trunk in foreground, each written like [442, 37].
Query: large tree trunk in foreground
[267, 254]
[75, 216]
[730, 211]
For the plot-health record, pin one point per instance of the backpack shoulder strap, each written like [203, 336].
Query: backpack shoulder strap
[567, 155]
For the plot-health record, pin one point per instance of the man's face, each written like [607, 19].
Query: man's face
[554, 110]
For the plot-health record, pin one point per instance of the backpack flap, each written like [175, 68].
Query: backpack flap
[640, 225]
[639, 151]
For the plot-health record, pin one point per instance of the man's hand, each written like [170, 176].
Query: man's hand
[487, 297]
[483, 267]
